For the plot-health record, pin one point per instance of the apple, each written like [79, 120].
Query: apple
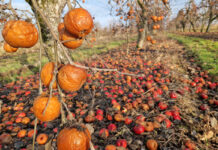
[173, 95]
[138, 129]
[112, 127]
[162, 106]
[121, 143]
[104, 133]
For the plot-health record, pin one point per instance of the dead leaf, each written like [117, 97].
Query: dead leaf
[213, 122]
[207, 135]
[90, 128]
[48, 145]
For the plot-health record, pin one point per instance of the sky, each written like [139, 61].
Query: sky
[100, 9]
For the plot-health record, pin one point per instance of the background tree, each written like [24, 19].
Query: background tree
[192, 14]
[141, 11]
[197, 16]
[211, 13]
[181, 20]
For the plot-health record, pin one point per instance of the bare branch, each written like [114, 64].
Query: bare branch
[40, 54]
[34, 135]
[12, 9]
[61, 8]
[69, 5]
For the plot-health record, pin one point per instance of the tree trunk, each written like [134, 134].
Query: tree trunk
[183, 23]
[208, 26]
[189, 28]
[202, 27]
[142, 35]
[52, 10]
[193, 26]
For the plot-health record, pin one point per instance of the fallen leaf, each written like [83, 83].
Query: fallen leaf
[48, 145]
[207, 135]
[90, 128]
[213, 122]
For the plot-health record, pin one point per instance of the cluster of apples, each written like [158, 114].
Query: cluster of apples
[77, 24]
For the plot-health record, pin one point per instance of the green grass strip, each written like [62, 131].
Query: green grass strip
[205, 50]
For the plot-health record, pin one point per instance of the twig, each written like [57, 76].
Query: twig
[93, 99]
[54, 77]
[34, 135]
[91, 145]
[63, 117]
[12, 9]
[69, 5]
[40, 54]
[63, 103]
[74, 3]
[78, 4]
[69, 40]
[169, 139]
[60, 10]
[1, 107]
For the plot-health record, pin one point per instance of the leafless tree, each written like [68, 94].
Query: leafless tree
[141, 11]
[211, 11]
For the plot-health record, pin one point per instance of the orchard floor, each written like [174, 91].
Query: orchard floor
[172, 98]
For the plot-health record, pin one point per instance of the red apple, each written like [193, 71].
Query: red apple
[212, 85]
[162, 106]
[104, 133]
[128, 121]
[168, 113]
[99, 112]
[173, 95]
[99, 117]
[121, 143]
[167, 123]
[204, 107]
[112, 127]
[204, 96]
[138, 129]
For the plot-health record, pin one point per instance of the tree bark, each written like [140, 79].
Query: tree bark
[142, 35]
[51, 9]
[193, 26]
[183, 27]
[212, 16]
[208, 26]
[142, 24]
[202, 27]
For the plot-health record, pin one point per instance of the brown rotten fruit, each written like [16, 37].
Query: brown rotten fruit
[71, 78]
[74, 138]
[60, 26]
[47, 74]
[152, 144]
[52, 111]
[20, 34]
[73, 42]
[78, 22]
[9, 48]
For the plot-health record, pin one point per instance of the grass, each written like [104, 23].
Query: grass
[206, 51]
[16, 61]
[83, 53]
